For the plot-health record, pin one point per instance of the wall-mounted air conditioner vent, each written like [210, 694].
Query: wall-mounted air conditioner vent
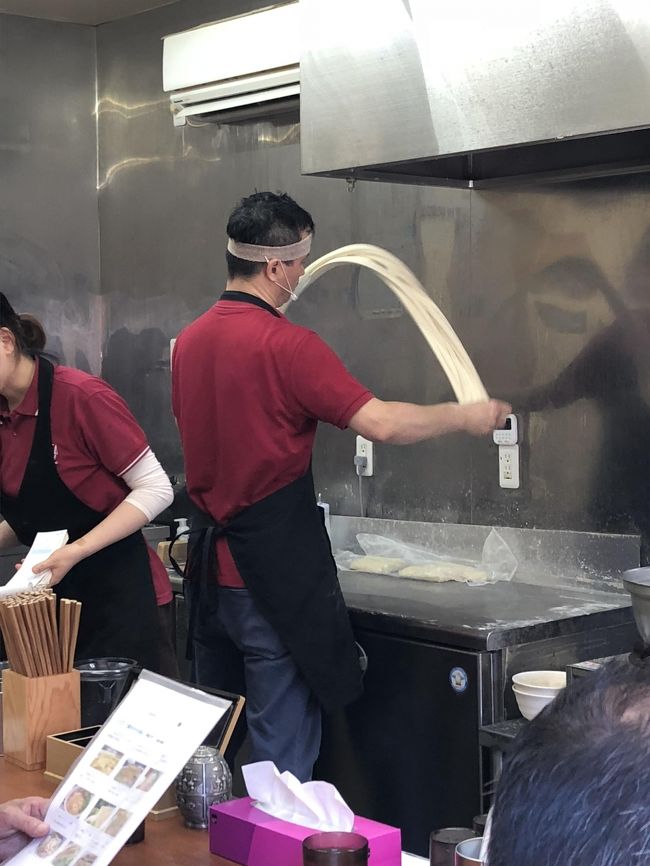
[241, 67]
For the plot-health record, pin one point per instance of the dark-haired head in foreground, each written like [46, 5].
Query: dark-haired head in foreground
[575, 789]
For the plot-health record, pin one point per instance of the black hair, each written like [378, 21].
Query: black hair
[574, 788]
[268, 219]
[27, 331]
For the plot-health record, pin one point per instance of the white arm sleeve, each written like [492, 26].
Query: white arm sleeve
[8, 537]
[151, 490]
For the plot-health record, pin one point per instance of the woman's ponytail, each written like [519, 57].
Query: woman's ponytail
[33, 335]
[27, 331]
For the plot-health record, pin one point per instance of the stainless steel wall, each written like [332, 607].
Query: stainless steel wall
[547, 289]
[49, 235]
[562, 315]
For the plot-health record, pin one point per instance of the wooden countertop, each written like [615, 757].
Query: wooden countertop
[166, 843]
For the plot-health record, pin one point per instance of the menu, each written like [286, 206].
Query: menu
[123, 772]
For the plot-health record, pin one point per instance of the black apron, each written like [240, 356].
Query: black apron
[119, 615]
[282, 552]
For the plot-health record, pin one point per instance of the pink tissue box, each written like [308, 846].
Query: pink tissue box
[246, 835]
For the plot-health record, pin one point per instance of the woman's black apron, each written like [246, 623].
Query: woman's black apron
[119, 615]
[282, 552]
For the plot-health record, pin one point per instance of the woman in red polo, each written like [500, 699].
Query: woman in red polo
[73, 457]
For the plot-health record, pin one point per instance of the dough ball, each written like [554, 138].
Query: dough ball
[377, 564]
[439, 572]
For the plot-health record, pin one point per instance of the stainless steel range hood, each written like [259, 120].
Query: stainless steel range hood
[475, 94]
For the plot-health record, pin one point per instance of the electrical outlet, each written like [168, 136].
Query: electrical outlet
[509, 466]
[365, 448]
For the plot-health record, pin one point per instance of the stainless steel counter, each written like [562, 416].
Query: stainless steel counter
[176, 581]
[487, 617]
[565, 583]
[441, 657]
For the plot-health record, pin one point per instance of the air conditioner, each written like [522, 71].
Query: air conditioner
[241, 67]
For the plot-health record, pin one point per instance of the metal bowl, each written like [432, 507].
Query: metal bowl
[637, 582]
[469, 852]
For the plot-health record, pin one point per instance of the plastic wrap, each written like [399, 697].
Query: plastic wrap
[382, 555]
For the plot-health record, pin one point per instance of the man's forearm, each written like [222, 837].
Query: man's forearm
[407, 423]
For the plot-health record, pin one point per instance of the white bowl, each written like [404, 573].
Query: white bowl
[535, 693]
[531, 705]
[541, 682]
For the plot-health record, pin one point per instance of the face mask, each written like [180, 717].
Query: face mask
[287, 288]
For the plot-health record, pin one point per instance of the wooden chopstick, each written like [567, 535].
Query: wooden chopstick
[21, 643]
[46, 630]
[64, 611]
[54, 632]
[39, 603]
[10, 642]
[35, 637]
[18, 624]
[37, 643]
[41, 650]
[76, 616]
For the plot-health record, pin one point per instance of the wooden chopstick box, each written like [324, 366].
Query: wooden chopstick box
[34, 707]
[62, 750]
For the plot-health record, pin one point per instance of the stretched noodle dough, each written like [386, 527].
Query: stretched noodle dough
[443, 571]
[435, 328]
[377, 564]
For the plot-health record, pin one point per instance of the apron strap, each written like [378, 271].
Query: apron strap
[181, 572]
[201, 568]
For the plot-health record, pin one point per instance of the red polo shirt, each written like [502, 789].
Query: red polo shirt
[248, 390]
[95, 440]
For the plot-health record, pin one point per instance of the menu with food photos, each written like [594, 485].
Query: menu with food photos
[123, 772]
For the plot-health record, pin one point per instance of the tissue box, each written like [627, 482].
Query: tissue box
[246, 835]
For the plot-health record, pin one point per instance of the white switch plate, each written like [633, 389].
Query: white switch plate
[509, 466]
[365, 448]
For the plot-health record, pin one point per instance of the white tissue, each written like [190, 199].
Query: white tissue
[45, 543]
[312, 804]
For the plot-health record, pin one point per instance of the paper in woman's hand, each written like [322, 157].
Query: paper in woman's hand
[43, 547]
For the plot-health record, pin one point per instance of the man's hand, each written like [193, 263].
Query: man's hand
[20, 821]
[60, 562]
[480, 419]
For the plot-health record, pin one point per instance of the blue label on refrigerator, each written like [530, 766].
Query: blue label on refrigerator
[458, 679]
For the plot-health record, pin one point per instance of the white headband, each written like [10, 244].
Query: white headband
[255, 253]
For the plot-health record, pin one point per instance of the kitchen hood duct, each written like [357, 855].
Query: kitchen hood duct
[475, 94]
